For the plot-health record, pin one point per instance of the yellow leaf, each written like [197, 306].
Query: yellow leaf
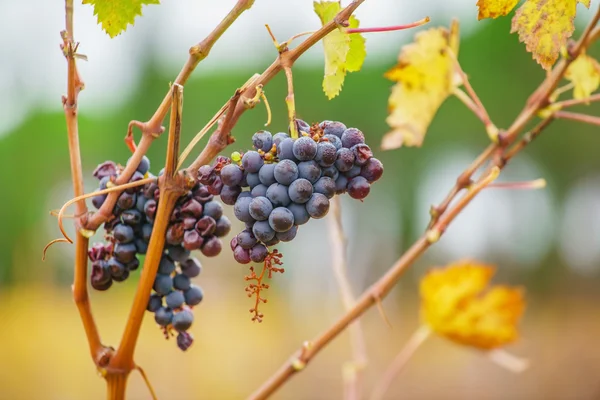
[456, 305]
[495, 8]
[584, 72]
[115, 15]
[425, 77]
[544, 26]
[343, 52]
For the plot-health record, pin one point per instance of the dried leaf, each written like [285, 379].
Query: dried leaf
[584, 72]
[115, 15]
[456, 305]
[425, 77]
[495, 8]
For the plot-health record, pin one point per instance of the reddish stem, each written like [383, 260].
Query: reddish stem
[389, 28]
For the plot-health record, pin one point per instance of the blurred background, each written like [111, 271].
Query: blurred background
[546, 240]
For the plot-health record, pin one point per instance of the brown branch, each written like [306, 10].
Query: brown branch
[338, 246]
[575, 102]
[153, 127]
[588, 119]
[526, 139]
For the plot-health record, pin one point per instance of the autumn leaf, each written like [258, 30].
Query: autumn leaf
[544, 26]
[495, 8]
[425, 77]
[457, 304]
[584, 72]
[343, 52]
[115, 15]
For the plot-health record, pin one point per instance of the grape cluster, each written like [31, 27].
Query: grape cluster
[196, 223]
[285, 182]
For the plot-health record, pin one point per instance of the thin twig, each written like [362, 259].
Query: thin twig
[469, 103]
[526, 139]
[400, 361]
[588, 119]
[415, 24]
[575, 102]
[147, 381]
[291, 103]
[338, 247]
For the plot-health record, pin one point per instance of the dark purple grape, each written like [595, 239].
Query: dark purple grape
[184, 340]
[102, 287]
[331, 172]
[215, 187]
[288, 235]
[131, 217]
[278, 137]
[333, 128]
[150, 209]
[241, 209]
[143, 166]
[134, 178]
[98, 200]
[206, 174]
[101, 273]
[302, 126]
[126, 201]
[229, 194]
[359, 188]
[305, 148]
[182, 321]
[178, 253]
[188, 223]
[141, 246]
[309, 170]
[193, 296]
[334, 140]
[163, 284]
[192, 208]
[253, 180]
[372, 170]
[252, 161]
[154, 303]
[317, 206]
[258, 253]
[260, 208]
[223, 226]
[232, 175]
[117, 269]
[271, 242]
[213, 209]
[192, 240]
[163, 316]
[326, 154]
[259, 190]
[285, 150]
[123, 233]
[202, 194]
[300, 214]
[104, 182]
[300, 190]
[174, 299]
[263, 231]
[133, 265]
[176, 232]
[107, 168]
[340, 184]
[354, 171]
[245, 194]
[344, 159]
[212, 246]
[191, 267]
[241, 255]
[286, 172]
[146, 232]
[206, 226]
[246, 239]
[325, 186]
[352, 137]
[124, 252]
[181, 282]
[267, 174]
[281, 219]
[262, 140]
[362, 154]
[150, 190]
[166, 266]
[278, 195]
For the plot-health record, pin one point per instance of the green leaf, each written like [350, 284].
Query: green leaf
[343, 52]
[115, 15]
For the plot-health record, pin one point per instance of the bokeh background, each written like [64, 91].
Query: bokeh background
[546, 240]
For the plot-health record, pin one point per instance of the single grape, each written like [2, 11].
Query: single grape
[143, 166]
[150, 209]
[288, 235]
[178, 253]
[181, 282]
[229, 194]
[300, 190]
[154, 303]
[285, 150]
[302, 126]
[166, 265]
[163, 284]
[333, 128]
[259, 190]
[101, 273]
[262, 140]
[141, 246]
[278, 195]
[206, 174]
[362, 153]
[267, 174]
[334, 140]
[253, 180]
[351, 137]
[246, 239]
[202, 194]
[150, 191]
[344, 159]
[133, 265]
[300, 214]
[98, 200]
[182, 321]
[326, 154]
[281, 219]
[163, 316]
[184, 340]
[354, 171]
[175, 299]
[305, 148]
[107, 168]
[223, 226]
[309, 170]
[231, 175]
[286, 171]
[278, 137]
[193, 295]
[102, 287]
[340, 184]
[331, 172]
[126, 200]
[263, 231]
[175, 232]
[258, 253]
[192, 207]
[317, 206]
[146, 232]
[260, 208]
[241, 255]
[216, 187]
[206, 226]
[117, 269]
[325, 186]
[131, 217]
[212, 246]
[359, 188]
[124, 252]
[191, 267]
[123, 233]
[241, 209]
[271, 242]
[372, 170]
[192, 240]
[252, 161]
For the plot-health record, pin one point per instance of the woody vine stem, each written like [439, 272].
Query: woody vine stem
[116, 364]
